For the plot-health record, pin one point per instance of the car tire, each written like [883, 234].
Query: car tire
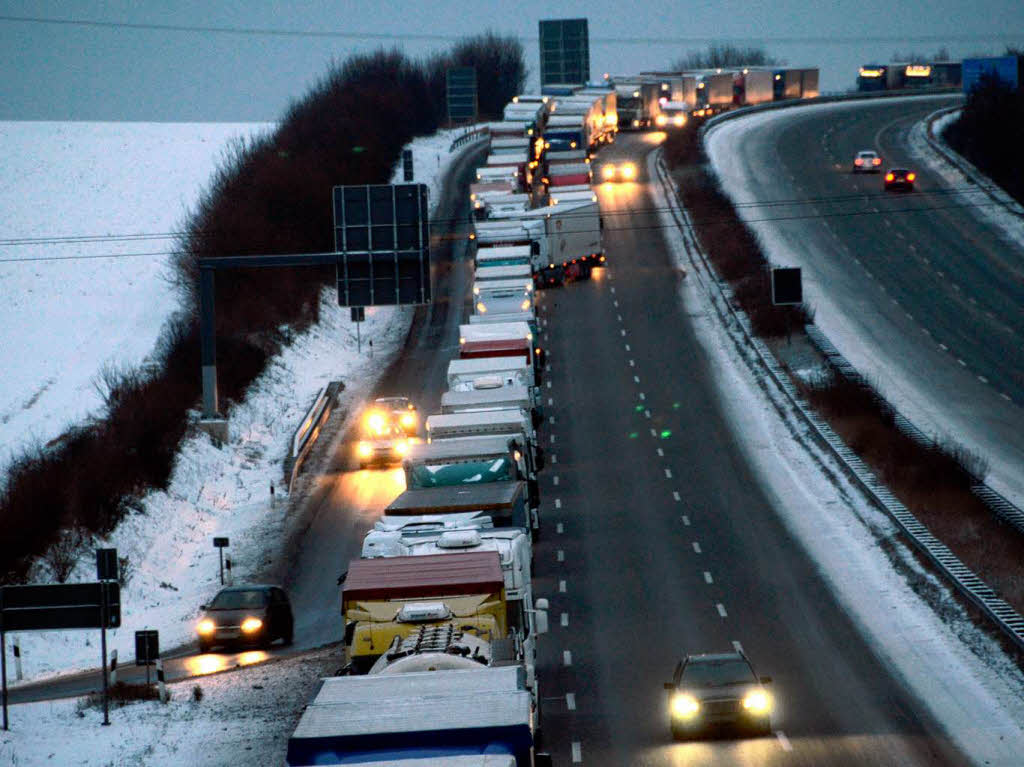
[205, 647]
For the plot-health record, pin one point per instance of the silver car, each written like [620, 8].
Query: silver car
[867, 161]
[714, 691]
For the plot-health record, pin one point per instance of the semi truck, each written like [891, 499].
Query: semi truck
[500, 339]
[480, 717]
[515, 551]
[786, 84]
[673, 115]
[384, 599]
[497, 504]
[752, 86]
[714, 91]
[488, 399]
[567, 174]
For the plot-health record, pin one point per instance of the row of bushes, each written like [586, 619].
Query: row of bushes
[731, 246]
[271, 194]
[988, 132]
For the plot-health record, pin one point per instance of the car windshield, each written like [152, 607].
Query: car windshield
[239, 600]
[468, 473]
[717, 673]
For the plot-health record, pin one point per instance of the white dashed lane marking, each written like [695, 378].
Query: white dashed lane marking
[570, 701]
[668, 473]
[721, 610]
[696, 547]
[558, 503]
[554, 480]
[708, 578]
[577, 752]
[565, 619]
[737, 646]
[566, 658]
[560, 555]
[675, 495]
[559, 528]
[686, 521]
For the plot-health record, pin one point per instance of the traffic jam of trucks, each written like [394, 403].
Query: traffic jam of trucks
[439, 612]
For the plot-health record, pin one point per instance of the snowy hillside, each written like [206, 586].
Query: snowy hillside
[74, 190]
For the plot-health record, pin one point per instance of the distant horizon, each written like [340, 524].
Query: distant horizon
[183, 61]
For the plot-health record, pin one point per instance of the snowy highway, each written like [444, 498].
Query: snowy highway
[919, 291]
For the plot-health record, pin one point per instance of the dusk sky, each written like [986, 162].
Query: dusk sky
[66, 71]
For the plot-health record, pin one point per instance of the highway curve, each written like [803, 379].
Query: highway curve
[918, 290]
[642, 575]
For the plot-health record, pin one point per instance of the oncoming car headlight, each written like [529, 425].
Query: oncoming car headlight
[250, 625]
[684, 705]
[364, 450]
[401, 448]
[660, 120]
[757, 702]
[408, 420]
[206, 626]
[608, 172]
[628, 171]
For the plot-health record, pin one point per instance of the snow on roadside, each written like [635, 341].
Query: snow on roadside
[60, 321]
[226, 492]
[967, 192]
[243, 717]
[971, 687]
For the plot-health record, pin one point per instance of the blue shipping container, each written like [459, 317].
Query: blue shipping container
[1004, 67]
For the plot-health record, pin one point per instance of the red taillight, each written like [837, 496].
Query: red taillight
[877, 161]
[889, 177]
[911, 176]
[858, 161]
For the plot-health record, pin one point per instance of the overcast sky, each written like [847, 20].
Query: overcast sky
[63, 71]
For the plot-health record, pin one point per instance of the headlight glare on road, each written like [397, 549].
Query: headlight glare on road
[684, 706]
[757, 702]
[206, 627]
[250, 625]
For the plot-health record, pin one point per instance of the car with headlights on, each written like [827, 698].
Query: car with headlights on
[717, 691]
[402, 411]
[900, 179]
[248, 616]
[623, 171]
[867, 161]
[384, 432]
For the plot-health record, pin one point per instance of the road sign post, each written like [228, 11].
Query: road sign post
[147, 649]
[221, 544]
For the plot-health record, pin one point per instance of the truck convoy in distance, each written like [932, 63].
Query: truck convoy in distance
[441, 622]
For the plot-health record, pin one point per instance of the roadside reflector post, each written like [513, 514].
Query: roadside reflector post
[113, 668]
[17, 657]
[227, 566]
[3, 672]
[160, 683]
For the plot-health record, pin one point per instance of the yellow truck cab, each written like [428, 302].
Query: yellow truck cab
[396, 597]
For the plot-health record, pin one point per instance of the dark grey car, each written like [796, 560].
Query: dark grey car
[715, 692]
[251, 616]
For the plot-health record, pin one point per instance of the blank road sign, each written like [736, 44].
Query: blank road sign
[59, 606]
[787, 287]
[460, 87]
[147, 647]
[564, 51]
[382, 233]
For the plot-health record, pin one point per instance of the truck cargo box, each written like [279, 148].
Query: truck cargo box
[502, 255]
[413, 577]
[485, 273]
[487, 497]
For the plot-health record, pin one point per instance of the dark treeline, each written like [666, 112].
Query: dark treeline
[271, 194]
[725, 55]
[988, 132]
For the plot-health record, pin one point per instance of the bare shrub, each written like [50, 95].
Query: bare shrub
[724, 55]
[63, 554]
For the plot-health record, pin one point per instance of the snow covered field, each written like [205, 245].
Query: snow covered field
[972, 688]
[87, 191]
[226, 492]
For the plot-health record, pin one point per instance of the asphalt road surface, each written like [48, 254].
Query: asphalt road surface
[919, 291]
[668, 545]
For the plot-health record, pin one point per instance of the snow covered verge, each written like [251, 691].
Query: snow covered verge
[969, 684]
[1007, 215]
[226, 491]
[243, 717]
[98, 203]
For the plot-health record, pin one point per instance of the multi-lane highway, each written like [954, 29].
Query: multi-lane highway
[658, 538]
[919, 291]
[668, 544]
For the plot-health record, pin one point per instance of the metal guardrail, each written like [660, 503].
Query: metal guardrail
[472, 135]
[973, 175]
[964, 580]
[309, 430]
[732, 114]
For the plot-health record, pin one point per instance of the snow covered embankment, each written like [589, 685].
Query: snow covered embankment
[226, 492]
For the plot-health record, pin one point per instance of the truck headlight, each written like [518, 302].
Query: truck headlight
[364, 450]
[757, 702]
[401, 448]
[684, 706]
[408, 420]
[251, 625]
